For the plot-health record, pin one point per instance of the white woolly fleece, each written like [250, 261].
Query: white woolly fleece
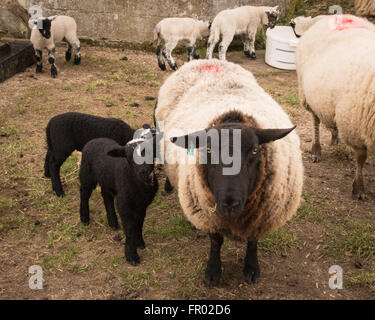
[174, 30]
[336, 76]
[191, 99]
[61, 27]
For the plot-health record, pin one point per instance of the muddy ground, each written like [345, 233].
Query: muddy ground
[37, 228]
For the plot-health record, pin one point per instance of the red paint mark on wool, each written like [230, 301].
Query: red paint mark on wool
[344, 22]
[209, 67]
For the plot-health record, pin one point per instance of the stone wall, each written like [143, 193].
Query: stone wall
[129, 21]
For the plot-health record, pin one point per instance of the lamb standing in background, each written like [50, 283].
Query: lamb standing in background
[365, 7]
[336, 73]
[106, 163]
[213, 94]
[243, 21]
[168, 32]
[71, 131]
[54, 30]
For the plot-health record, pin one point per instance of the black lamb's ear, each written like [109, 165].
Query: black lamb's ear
[117, 153]
[193, 140]
[268, 135]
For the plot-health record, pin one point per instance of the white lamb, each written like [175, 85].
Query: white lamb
[213, 96]
[336, 78]
[49, 31]
[243, 21]
[168, 32]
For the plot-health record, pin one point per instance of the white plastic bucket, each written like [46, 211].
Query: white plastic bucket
[281, 48]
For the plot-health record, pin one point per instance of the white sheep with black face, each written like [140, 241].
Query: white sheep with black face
[243, 21]
[170, 31]
[213, 96]
[336, 81]
[49, 31]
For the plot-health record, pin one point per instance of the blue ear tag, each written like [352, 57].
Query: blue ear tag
[190, 150]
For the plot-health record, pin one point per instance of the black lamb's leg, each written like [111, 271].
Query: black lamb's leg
[68, 53]
[159, 55]
[140, 243]
[84, 211]
[129, 224]
[55, 163]
[110, 209]
[213, 270]
[47, 172]
[251, 269]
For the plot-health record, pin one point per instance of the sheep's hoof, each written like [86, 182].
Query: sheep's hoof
[53, 72]
[68, 55]
[212, 275]
[358, 192]
[316, 153]
[197, 56]
[247, 53]
[39, 69]
[162, 67]
[85, 222]
[132, 258]
[168, 187]
[60, 193]
[47, 174]
[253, 56]
[114, 227]
[174, 67]
[252, 274]
[77, 60]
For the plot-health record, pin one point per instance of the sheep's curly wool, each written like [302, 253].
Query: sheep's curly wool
[336, 76]
[197, 97]
[365, 7]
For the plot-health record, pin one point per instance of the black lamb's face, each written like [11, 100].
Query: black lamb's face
[46, 30]
[231, 183]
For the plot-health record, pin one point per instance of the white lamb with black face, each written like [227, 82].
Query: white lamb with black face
[243, 21]
[213, 96]
[170, 31]
[49, 31]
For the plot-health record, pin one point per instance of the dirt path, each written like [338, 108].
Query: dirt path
[81, 262]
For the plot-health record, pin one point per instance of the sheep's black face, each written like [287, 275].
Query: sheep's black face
[46, 31]
[231, 183]
[273, 16]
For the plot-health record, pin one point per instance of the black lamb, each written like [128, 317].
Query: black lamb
[134, 186]
[71, 131]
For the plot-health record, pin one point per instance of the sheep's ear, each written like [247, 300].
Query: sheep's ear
[52, 18]
[193, 140]
[209, 25]
[268, 135]
[117, 153]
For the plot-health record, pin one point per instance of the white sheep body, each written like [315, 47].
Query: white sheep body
[336, 76]
[170, 31]
[192, 99]
[243, 21]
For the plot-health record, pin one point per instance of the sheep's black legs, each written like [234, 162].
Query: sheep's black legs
[51, 60]
[316, 150]
[68, 53]
[246, 45]
[110, 209]
[192, 53]
[159, 55]
[77, 55]
[54, 167]
[335, 137]
[358, 191]
[47, 173]
[213, 270]
[252, 46]
[167, 53]
[168, 187]
[84, 210]
[251, 269]
[39, 63]
[140, 243]
[129, 224]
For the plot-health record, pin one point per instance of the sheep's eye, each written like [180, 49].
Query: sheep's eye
[255, 151]
[208, 150]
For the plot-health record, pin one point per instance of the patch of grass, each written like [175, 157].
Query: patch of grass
[292, 99]
[28, 100]
[52, 262]
[114, 262]
[364, 279]
[67, 87]
[176, 226]
[355, 237]
[266, 74]
[309, 212]
[278, 241]
[153, 83]
[91, 87]
[107, 101]
[117, 75]
[343, 152]
[150, 75]
[11, 131]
